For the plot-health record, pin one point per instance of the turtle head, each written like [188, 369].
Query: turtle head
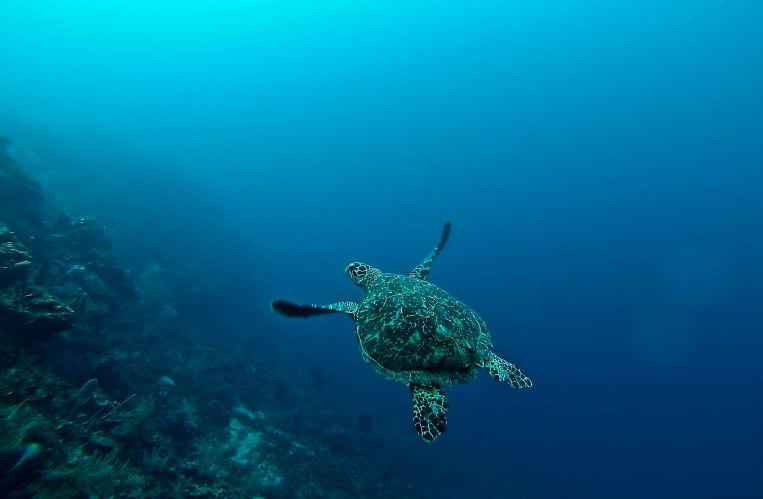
[362, 274]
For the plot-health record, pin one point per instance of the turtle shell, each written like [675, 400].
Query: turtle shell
[411, 331]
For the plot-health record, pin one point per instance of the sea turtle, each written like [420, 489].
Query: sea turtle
[413, 332]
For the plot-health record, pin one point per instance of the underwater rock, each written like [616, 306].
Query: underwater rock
[21, 197]
[30, 460]
[78, 252]
[15, 259]
[81, 233]
[28, 311]
[77, 273]
[32, 308]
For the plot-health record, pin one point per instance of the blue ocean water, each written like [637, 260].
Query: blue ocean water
[602, 163]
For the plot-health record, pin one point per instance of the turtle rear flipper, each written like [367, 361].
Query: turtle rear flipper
[422, 270]
[429, 406]
[292, 309]
[503, 370]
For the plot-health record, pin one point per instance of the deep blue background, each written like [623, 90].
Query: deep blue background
[602, 163]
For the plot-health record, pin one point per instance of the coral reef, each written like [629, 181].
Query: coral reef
[108, 388]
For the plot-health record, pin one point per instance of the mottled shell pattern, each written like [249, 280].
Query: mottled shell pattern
[412, 331]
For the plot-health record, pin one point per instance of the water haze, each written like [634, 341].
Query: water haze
[602, 163]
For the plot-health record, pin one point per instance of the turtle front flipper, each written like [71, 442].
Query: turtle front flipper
[291, 309]
[429, 406]
[422, 270]
[503, 370]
